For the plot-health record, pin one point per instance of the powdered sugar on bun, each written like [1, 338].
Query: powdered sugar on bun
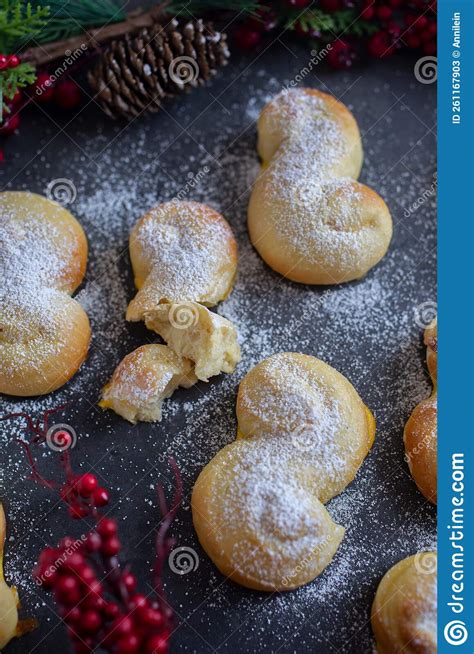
[44, 333]
[308, 217]
[258, 506]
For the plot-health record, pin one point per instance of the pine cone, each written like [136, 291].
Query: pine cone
[137, 72]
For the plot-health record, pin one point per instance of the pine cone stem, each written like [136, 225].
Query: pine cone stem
[93, 37]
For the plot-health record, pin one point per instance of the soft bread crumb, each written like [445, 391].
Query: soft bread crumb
[143, 379]
[194, 332]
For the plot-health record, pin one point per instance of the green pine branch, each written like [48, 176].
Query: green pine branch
[18, 21]
[68, 19]
[13, 79]
[197, 6]
[334, 24]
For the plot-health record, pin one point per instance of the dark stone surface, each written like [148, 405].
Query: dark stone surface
[370, 331]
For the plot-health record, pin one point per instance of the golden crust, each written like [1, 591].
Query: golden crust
[420, 434]
[143, 379]
[258, 506]
[308, 217]
[181, 252]
[8, 597]
[44, 333]
[404, 610]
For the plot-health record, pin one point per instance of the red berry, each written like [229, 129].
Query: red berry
[121, 626]
[384, 12]
[67, 590]
[91, 622]
[87, 484]
[138, 601]
[107, 528]
[331, 5]
[86, 574]
[13, 61]
[78, 512]
[100, 497]
[43, 88]
[93, 541]
[368, 13]
[3, 62]
[129, 581]
[111, 611]
[67, 94]
[75, 561]
[156, 645]
[421, 23]
[10, 125]
[128, 644]
[340, 55]
[150, 617]
[429, 48]
[246, 38]
[412, 40]
[73, 615]
[110, 547]
[380, 45]
[299, 4]
[66, 543]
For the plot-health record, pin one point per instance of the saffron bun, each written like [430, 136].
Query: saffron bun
[258, 506]
[184, 258]
[44, 332]
[420, 434]
[195, 333]
[9, 626]
[143, 379]
[308, 217]
[181, 252]
[404, 610]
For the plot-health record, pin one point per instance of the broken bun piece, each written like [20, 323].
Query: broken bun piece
[184, 259]
[143, 379]
[194, 332]
[308, 217]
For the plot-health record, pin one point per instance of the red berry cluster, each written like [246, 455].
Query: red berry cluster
[109, 614]
[83, 494]
[398, 24]
[9, 61]
[106, 613]
[65, 92]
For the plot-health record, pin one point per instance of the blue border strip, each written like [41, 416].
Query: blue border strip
[456, 327]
